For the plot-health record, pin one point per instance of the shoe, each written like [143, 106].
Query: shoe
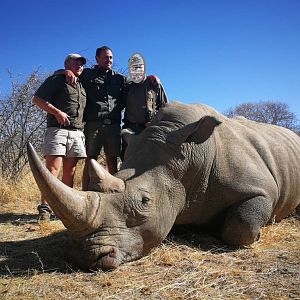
[44, 212]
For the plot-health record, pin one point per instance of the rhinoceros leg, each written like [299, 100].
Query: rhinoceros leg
[244, 220]
[298, 210]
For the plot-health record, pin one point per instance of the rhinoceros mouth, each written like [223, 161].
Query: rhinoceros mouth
[92, 258]
[108, 259]
[113, 259]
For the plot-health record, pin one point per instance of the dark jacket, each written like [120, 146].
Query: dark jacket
[143, 100]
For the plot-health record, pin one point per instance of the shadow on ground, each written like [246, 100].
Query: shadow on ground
[32, 256]
[47, 254]
[19, 219]
[200, 238]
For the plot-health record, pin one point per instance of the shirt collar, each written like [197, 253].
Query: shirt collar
[101, 71]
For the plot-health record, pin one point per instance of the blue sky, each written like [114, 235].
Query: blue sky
[221, 53]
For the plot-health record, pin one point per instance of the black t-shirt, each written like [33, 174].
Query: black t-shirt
[105, 94]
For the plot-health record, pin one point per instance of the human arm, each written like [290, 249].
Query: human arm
[61, 117]
[123, 94]
[155, 81]
[162, 96]
[70, 76]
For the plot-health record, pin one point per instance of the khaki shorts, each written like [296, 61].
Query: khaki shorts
[64, 142]
[98, 135]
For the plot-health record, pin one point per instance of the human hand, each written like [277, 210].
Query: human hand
[154, 80]
[62, 118]
[70, 77]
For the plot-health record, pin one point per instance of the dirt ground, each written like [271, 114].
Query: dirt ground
[187, 265]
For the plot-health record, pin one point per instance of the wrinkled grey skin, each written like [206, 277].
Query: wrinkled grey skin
[192, 165]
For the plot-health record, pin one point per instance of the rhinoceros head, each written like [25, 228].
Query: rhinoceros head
[108, 228]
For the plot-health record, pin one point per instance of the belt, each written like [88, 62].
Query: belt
[67, 127]
[102, 121]
[106, 121]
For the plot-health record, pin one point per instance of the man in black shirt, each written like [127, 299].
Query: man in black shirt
[105, 101]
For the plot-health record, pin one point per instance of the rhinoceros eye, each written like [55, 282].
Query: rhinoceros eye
[145, 199]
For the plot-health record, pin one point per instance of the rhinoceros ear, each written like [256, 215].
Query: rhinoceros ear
[102, 181]
[197, 132]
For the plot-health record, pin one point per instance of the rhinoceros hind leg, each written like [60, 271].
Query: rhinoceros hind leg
[244, 220]
[298, 210]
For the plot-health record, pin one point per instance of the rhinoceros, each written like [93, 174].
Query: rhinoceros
[192, 165]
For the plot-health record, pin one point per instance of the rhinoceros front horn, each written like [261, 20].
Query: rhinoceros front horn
[79, 211]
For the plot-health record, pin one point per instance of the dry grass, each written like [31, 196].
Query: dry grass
[186, 266]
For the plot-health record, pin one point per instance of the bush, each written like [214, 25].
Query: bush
[21, 122]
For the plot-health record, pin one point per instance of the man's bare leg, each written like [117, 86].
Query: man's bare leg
[53, 164]
[69, 167]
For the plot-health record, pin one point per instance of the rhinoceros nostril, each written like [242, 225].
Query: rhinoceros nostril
[107, 259]
[113, 253]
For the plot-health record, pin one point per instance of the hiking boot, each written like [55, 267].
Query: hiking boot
[44, 212]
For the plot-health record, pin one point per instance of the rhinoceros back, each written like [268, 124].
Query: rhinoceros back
[266, 156]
